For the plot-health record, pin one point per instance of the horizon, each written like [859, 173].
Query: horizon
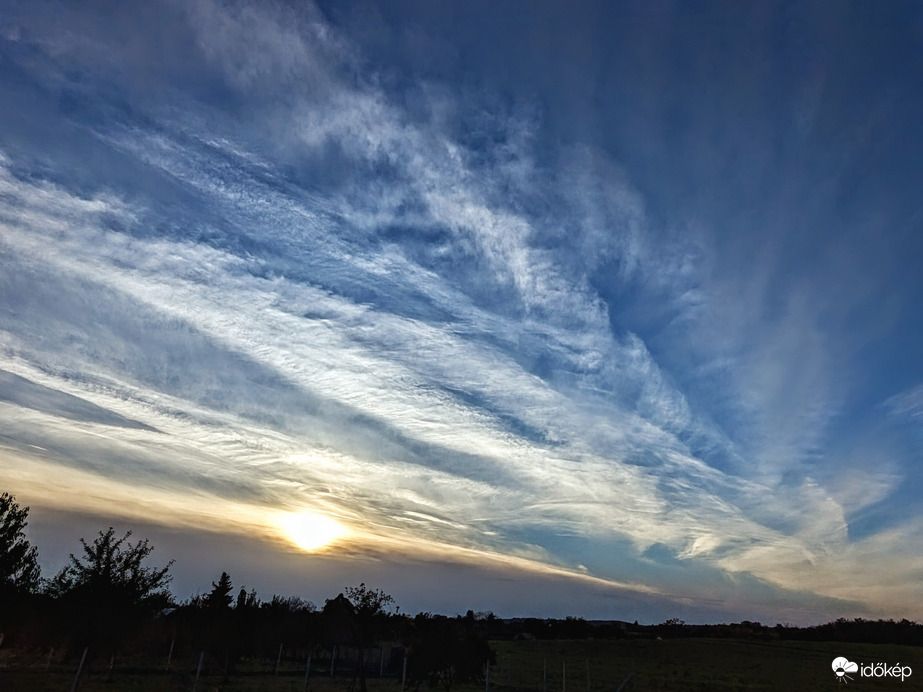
[605, 309]
[263, 596]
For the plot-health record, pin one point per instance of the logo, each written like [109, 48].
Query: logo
[842, 667]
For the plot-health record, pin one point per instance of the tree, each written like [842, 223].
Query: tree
[111, 572]
[369, 604]
[287, 619]
[338, 620]
[220, 595]
[444, 651]
[19, 570]
[108, 590]
[247, 601]
[370, 608]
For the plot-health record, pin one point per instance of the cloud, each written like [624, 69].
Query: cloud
[393, 386]
[304, 295]
[907, 405]
[22, 392]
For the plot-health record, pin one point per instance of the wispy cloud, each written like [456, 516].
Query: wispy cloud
[907, 404]
[324, 300]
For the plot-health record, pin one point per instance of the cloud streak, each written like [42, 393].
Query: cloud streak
[296, 292]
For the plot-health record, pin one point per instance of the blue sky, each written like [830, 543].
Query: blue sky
[609, 311]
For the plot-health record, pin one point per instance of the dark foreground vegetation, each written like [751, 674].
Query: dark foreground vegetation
[107, 621]
[693, 664]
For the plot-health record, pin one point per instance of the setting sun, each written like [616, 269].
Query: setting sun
[311, 531]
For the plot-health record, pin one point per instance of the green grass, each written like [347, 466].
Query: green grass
[710, 665]
[687, 665]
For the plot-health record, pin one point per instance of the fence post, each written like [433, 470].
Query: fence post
[563, 676]
[307, 671]
[79, 668]
[404, 673]
[545, 674]
[198, 670]
[278, 661]
[625, 681]
[333, 660]
[169, 656]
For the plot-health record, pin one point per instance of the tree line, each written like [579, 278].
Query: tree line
[110, 600]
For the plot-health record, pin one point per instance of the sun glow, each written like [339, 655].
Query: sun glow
[311, 531]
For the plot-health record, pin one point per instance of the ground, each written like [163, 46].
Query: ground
[711, 665]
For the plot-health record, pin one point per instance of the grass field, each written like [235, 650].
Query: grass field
[674, 664]
[691, 665]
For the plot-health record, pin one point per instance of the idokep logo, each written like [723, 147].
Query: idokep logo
[843, 666]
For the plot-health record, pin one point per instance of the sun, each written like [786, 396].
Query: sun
[311, 531]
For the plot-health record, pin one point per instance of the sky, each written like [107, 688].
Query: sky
[543, 308]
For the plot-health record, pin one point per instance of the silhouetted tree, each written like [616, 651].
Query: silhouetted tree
[222, 626]
[220, 595]
[338, 616]
[19, 570]
[444, 651]
[358, 617]
[108, 590]
[287, 620]
[371, 607]
[111, 571]
[247, 600]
